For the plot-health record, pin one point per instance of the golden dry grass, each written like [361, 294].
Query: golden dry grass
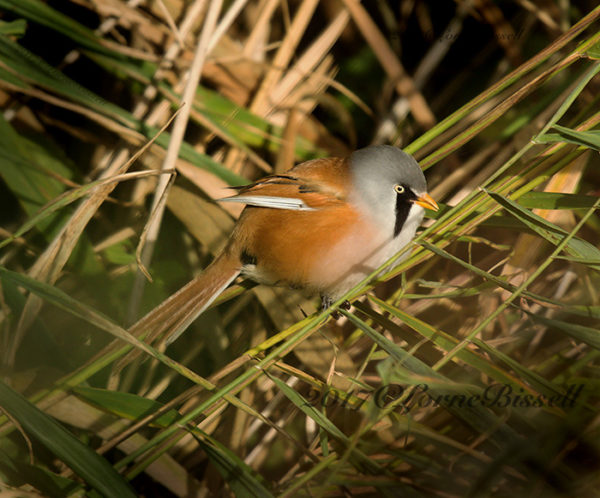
[469, 370]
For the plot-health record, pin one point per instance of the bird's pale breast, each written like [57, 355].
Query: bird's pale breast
[323, 250]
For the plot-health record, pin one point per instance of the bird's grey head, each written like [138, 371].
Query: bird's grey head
[383, 177]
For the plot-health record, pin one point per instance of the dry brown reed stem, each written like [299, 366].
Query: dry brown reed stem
[181, 121]
[388, 128]
[262, 104]
[505, 34]
[391, 64]
[254, 48]
[307, 62]
[542, 15]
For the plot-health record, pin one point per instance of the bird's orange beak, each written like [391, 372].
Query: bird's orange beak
[427, 202]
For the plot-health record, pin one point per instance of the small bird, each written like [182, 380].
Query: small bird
[322, 226]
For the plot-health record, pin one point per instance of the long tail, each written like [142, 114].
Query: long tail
[177, 312]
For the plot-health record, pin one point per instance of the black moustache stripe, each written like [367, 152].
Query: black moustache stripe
[402, 209]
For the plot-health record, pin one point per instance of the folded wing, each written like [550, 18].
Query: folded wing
[308, 186]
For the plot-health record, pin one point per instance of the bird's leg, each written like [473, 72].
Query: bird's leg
[326, 302]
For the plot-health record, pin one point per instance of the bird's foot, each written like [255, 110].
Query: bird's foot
[326, 302]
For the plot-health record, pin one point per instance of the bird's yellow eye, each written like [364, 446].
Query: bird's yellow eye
[399, 189]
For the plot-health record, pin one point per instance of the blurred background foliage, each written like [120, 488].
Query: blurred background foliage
[498, 299]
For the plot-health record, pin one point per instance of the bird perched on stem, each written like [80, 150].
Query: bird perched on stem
[322, 226]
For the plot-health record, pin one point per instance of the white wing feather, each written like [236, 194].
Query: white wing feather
[269, 201]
